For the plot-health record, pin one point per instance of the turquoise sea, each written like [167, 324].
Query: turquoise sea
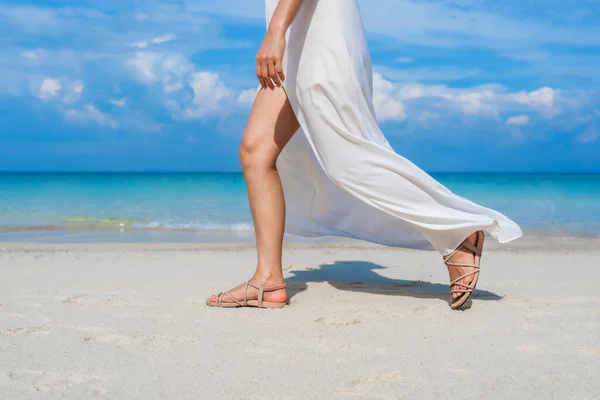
[184, 207]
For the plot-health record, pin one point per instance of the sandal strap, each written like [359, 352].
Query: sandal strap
[260, 296]
[268, 288]
[462, 286]
[246, 293]
[457, 280]
[475, 249]
[461, 291]
[220, 298]
[453, 264]
[262, 290]
[449, 256]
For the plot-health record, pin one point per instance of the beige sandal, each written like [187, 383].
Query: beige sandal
[248, 303]
[467, 290]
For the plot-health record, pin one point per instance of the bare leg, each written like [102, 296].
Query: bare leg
[271, 125]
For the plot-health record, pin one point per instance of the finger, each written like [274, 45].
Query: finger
[265, 75]
[279, 70]
[273, 74]
[262, 82]
[259, 76]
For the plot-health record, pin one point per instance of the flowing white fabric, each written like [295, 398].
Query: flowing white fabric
[340, 175]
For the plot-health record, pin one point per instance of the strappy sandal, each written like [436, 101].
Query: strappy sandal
[466, 290]
[248, 303]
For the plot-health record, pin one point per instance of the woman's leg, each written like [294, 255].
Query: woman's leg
[271, 125]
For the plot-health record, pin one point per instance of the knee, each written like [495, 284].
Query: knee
[247, 158]
[256, 158]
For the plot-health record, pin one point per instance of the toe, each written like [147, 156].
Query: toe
[469, 280]
[466, 281]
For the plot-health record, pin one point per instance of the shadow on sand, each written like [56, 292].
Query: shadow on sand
[360, 276]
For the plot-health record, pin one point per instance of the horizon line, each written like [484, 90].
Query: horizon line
[240, 172]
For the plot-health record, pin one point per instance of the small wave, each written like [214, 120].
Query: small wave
[198, 226]
[93, 224]
[101, 221]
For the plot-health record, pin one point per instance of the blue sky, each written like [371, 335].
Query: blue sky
[463, 85]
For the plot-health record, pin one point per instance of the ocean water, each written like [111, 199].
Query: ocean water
[82, 207]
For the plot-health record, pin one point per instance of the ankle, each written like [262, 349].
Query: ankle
[268, 277]
[472, 238]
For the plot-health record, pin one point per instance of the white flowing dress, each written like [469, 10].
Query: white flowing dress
[340, 175]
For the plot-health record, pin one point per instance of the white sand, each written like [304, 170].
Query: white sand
[129, 322]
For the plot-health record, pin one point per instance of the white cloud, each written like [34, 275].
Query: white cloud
[475, 102]
[189, 94]
[484, 100]
[427, 116]
[480, 100]
[29, 17]
[211, 96]
[543, 98]
[235, 8]
[169, 69]
[157, 40]
[119, 102]
[140, 45]
[443, 23]
[246, 97]
[144, 66]
[33, 55]
[590, 135]
[519, 120]
[405, 60]
[50, 88]
[164, 38]
[387, 107]
[74, 91]
[503, 25]
[90, 112]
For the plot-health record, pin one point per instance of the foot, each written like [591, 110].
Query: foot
[465, 256]
[276, 296]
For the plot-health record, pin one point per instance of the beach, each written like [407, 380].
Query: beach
[143, 156]
[129, 321]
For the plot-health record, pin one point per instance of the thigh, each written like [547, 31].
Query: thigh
[271, 124]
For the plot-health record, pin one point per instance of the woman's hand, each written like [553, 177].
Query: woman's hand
[269, 60]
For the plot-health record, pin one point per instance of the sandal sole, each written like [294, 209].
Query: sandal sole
[251, 303]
